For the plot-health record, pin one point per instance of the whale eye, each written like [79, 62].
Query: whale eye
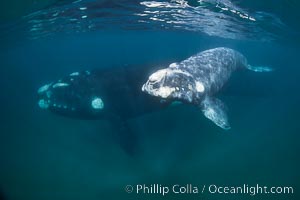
[97, 103]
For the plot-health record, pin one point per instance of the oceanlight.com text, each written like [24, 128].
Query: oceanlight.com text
[245, 189]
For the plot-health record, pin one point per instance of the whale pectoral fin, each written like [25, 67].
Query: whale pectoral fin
[215, 110]
[125, 136]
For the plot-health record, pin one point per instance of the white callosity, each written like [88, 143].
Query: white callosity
[157, 77]
[97, 103]
[74, 74]
[43, 88]
[173, 65]
[43, 104]
[60, 85]
[164, 92]
[155, 84]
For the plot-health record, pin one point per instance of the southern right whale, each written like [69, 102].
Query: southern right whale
[112, 94]
[197, 79]
[121, 93]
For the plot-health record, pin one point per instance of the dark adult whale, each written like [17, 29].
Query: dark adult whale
[113, 94]
[198, 79]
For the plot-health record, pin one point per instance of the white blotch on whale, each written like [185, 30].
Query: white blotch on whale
[43, 88]
[199, 87]
[43, 104]
[74, 74]
[97, 103]
[60, 85]
[164, 92]
[157, 76]
[173, 65]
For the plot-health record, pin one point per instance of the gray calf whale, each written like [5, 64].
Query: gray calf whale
[198, 79]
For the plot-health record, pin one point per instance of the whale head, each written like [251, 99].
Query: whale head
[74, 96]
[174, 84]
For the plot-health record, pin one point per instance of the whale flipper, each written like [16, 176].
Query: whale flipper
[215, 110]
[259, 68]
[125, 136]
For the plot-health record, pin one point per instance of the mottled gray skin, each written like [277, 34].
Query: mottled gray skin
[197, 79]
[212, 68]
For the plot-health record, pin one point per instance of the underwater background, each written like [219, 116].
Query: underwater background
[45, 156]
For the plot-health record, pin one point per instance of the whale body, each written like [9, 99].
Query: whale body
[197, 79]
[112, 94]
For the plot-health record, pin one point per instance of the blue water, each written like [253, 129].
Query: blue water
[46, 156]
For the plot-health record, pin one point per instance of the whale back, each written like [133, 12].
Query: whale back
[200, 75]
[213, 67]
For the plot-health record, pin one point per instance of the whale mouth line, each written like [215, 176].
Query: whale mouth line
[47, 104]
[45, 100]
